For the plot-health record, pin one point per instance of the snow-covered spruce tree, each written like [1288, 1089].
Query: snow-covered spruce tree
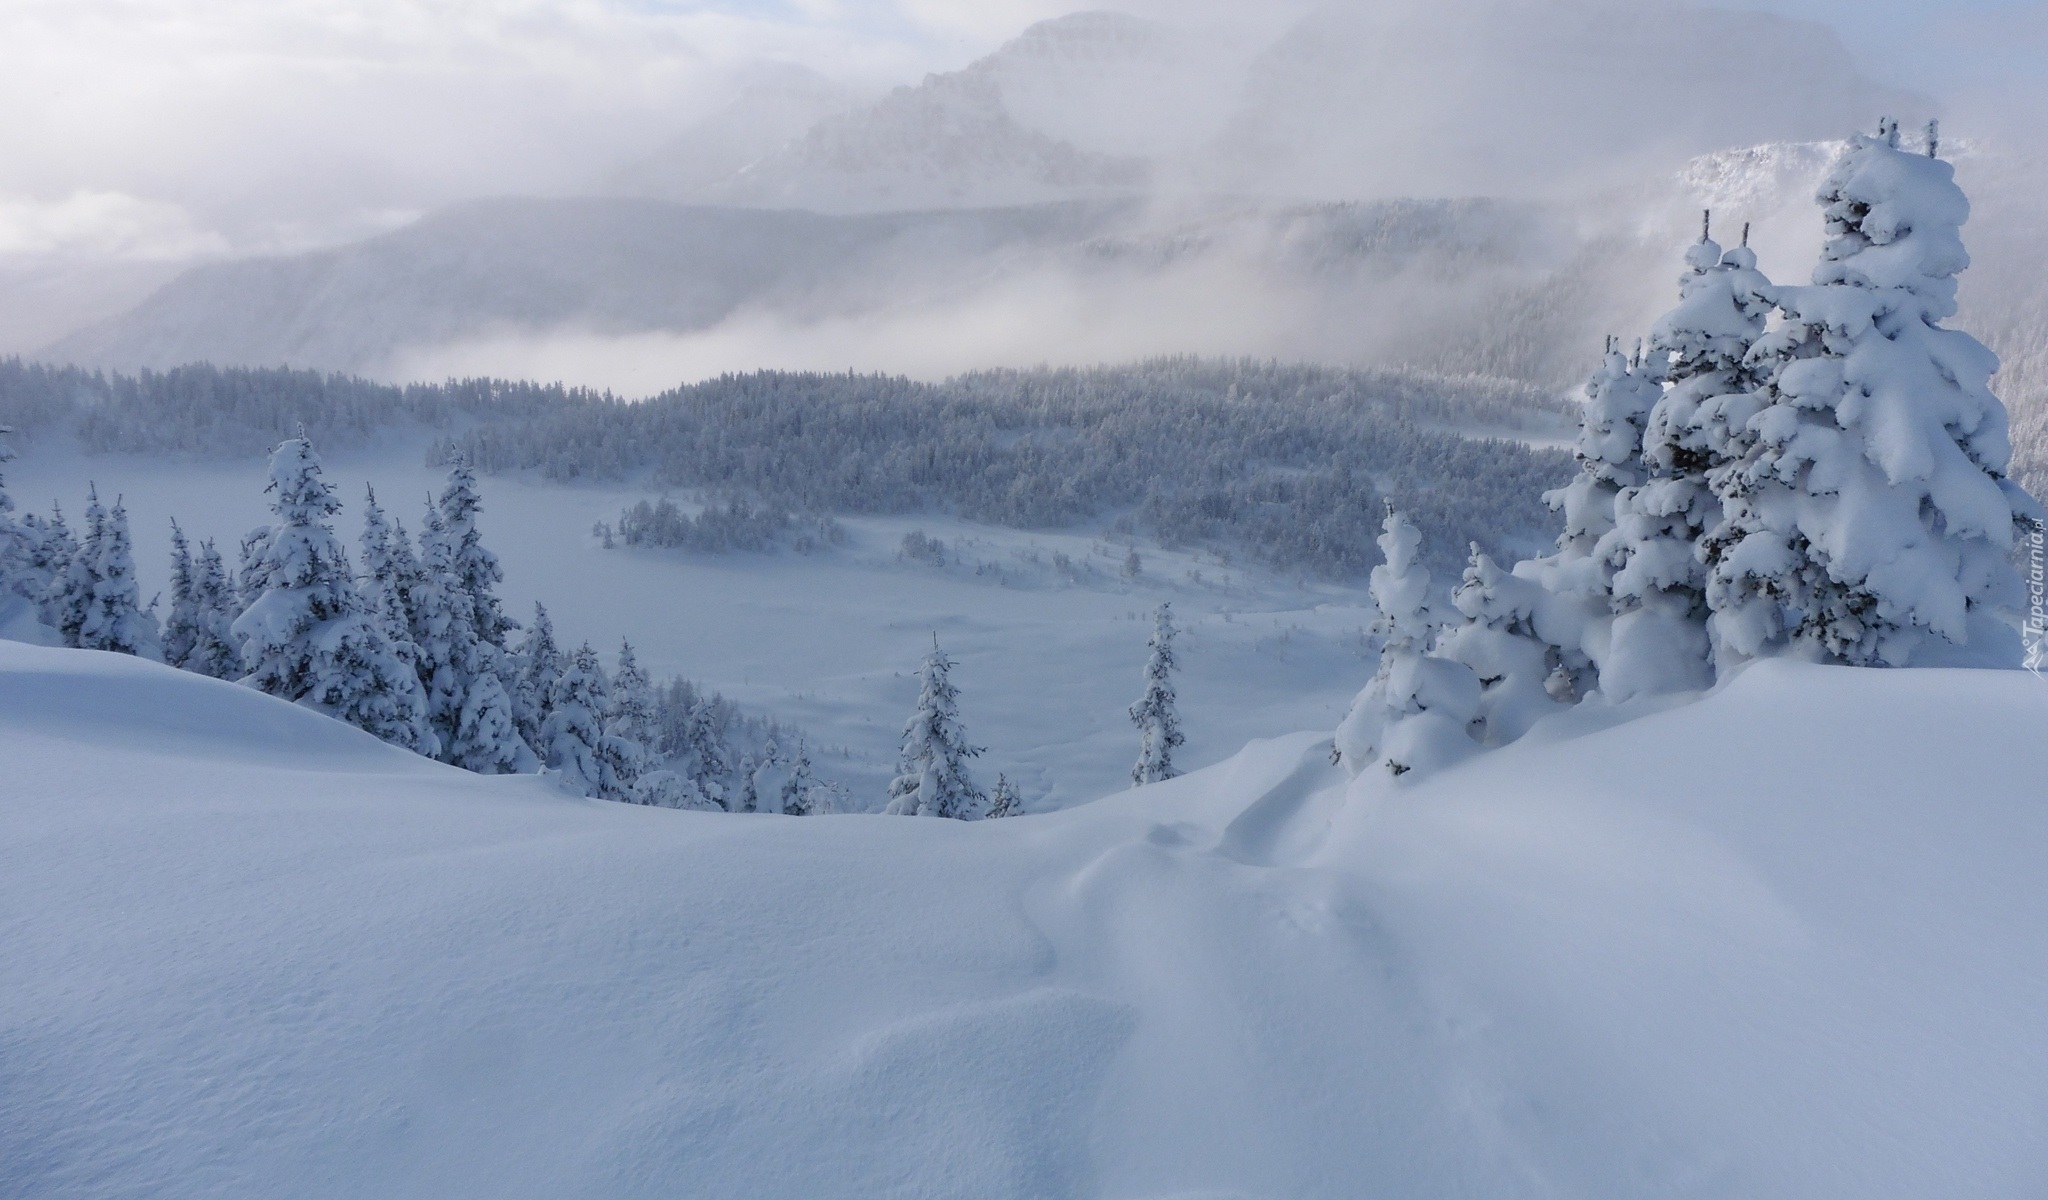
[17, 542]
[704, 759]
[68, 602]
[620, 764]
[537, 662]
[1870, 520]
[1158, 723]
[470, 710]
[1659, 636]
[1577, 576]
[767, 782]
[116, 620]
[50, 548]
[800, 789]
[307, 636]
[476, 569]
[1003, 801]
[214, 652]
[1417, 712]
[931, 774]
[182, 624]
[1498, 640]
[389, 574]
[629, 710]
[574, 737]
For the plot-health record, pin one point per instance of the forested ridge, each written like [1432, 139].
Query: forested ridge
[1290, 463]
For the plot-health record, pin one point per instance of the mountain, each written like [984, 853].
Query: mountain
[1041, 119]
[1528, 97]
[1473, 97]
[252, 952]
[607, 266]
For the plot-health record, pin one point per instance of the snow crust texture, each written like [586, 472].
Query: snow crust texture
[254, 952]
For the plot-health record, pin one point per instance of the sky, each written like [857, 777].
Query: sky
[174, 130]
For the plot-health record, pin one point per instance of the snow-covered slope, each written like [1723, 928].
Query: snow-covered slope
[1785, 942]
[523, 266]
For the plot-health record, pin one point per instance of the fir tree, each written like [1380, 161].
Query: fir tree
[1417, 712]
[1869, 519]
[931, 774]
[308, 637]
[1154, 714]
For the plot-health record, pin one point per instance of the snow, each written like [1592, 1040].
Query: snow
[254, 952]
[1049, 662]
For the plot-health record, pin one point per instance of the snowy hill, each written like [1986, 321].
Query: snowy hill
[252, 952]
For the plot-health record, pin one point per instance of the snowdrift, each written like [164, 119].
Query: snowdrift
[1787, 941]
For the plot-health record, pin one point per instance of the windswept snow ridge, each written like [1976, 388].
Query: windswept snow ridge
[253, 952]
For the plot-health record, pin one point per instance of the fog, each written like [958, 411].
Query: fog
[148, 137]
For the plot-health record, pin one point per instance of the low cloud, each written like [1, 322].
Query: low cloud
[103, 225]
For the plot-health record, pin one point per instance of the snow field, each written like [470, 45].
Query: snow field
[253, 952]
[1048, 661]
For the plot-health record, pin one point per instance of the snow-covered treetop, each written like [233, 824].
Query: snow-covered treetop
[1495, 597]
[1618, 402]
[1722, 303]
[1894, 220]
[299, 496]
[1400, 585]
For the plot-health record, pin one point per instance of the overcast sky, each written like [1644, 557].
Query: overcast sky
[181, 128]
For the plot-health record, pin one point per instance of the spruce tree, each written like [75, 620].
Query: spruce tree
[213, 651]
[1578, 576]
[69, 600]
[931, 774]
[1659, 637]
[472, 714]
[389, 573]
[308, 637]
[1869, 520]
[115, 619]
[704, 759]
[1154, 714]
[1003, 801]
[50, 547]
[537, 663]
[182, 625]
[1417, 712]
[572, 733]
[800, 789]
[17, 542]
[629, 711]
[476, 569]
[1498, 640]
